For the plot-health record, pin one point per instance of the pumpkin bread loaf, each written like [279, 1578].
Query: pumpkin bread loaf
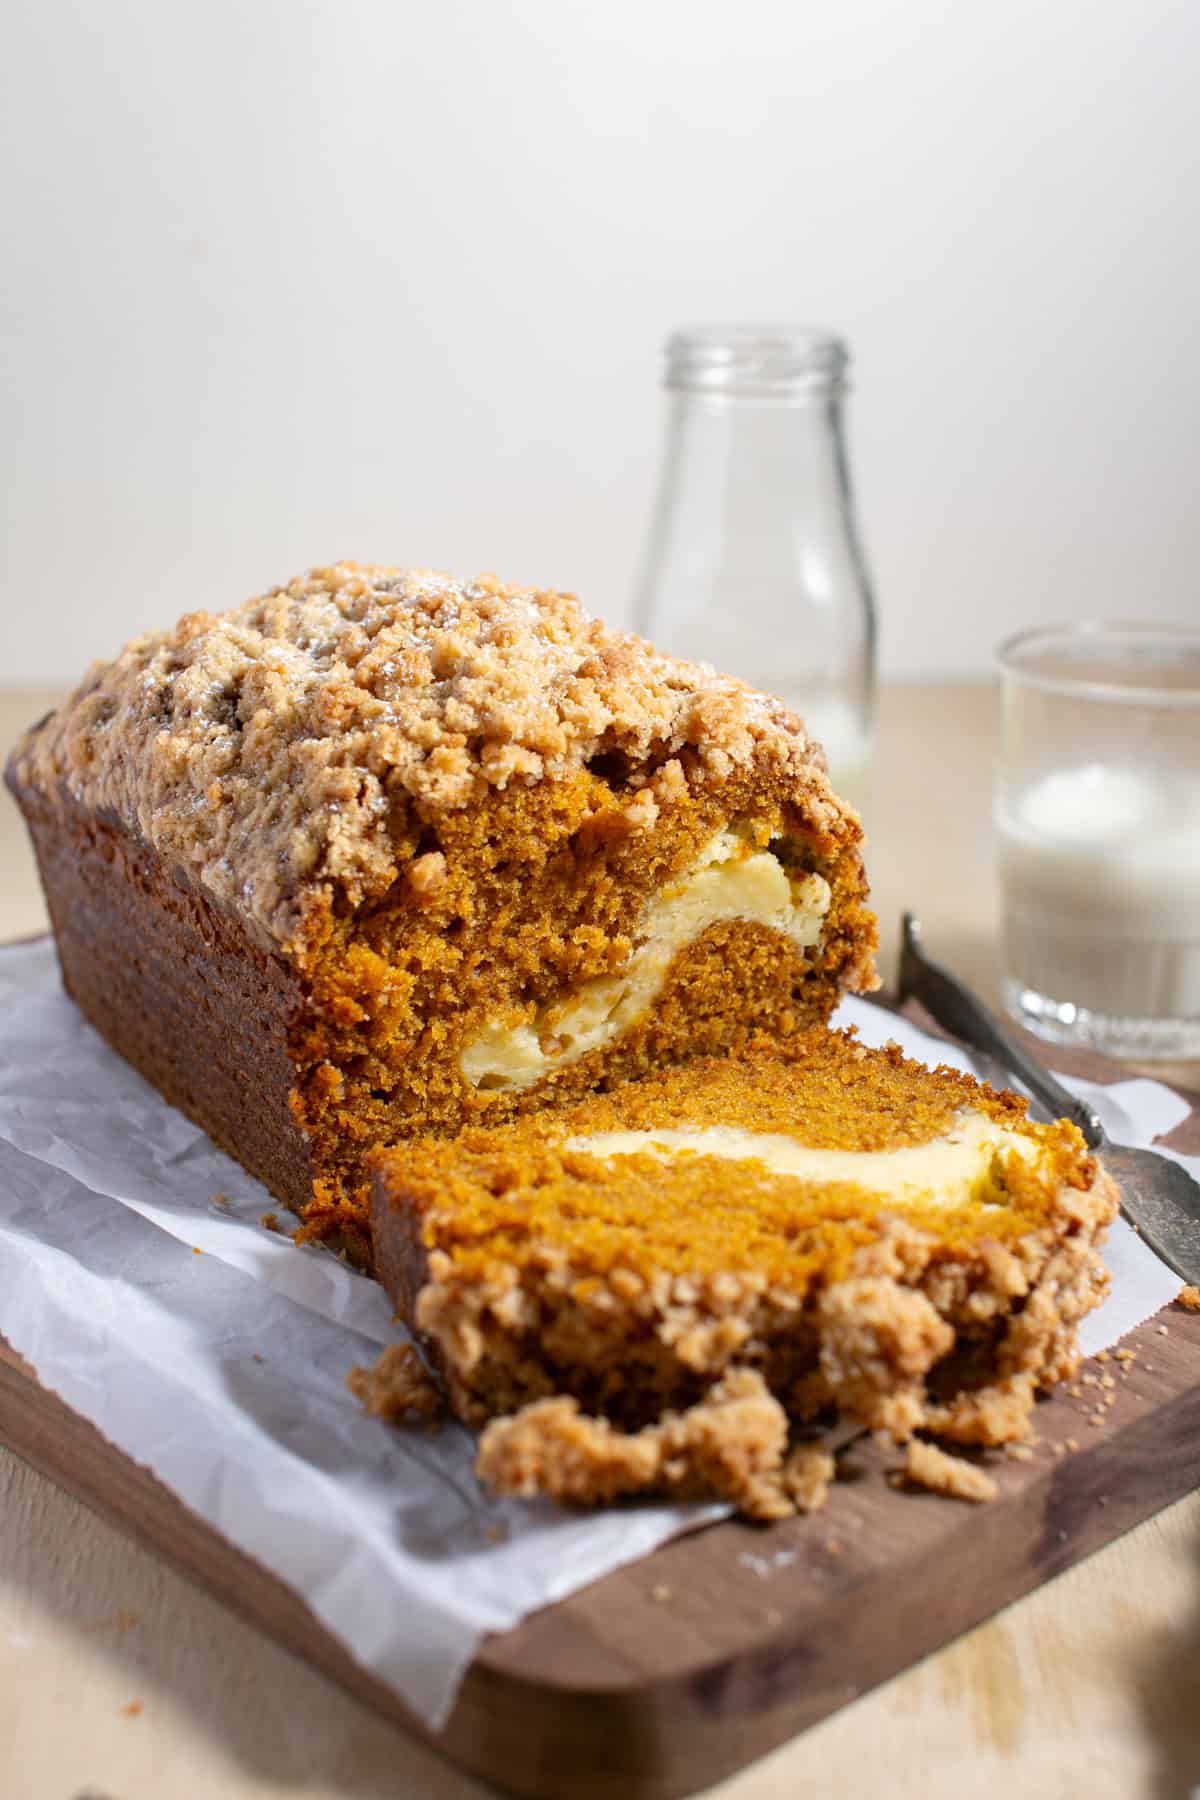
[381, 855]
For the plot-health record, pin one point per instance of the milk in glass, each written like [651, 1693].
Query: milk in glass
[1100, 868]
[1098, 835]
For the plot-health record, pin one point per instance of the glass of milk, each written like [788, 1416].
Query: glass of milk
[1098, 835]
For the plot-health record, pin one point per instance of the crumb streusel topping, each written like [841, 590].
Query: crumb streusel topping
[298, 745]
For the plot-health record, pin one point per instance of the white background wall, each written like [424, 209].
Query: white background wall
[287, 280]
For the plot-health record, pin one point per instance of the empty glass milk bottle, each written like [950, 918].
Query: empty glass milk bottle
[754, 560]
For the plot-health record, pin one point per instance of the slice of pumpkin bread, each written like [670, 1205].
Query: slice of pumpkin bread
[649, 1288]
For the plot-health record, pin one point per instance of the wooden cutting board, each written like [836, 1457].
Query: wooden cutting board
[672, 1673]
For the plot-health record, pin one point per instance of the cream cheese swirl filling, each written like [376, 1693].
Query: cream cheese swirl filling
[731, 880]
[955, 1168]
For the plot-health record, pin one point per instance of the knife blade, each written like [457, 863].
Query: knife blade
[1158, 1197]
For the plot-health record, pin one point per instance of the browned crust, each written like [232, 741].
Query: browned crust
[176, 987]
[401, 1255]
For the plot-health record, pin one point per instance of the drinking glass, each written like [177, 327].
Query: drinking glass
[1098, 835]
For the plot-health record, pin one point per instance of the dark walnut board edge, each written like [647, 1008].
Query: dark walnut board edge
[668, 1675]
[674, 1672]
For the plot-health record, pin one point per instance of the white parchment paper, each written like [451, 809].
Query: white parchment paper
[224, 1371]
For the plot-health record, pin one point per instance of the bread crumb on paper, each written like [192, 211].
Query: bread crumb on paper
[399, 1386]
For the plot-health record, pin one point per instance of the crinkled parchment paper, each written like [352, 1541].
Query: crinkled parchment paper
[224, 1371]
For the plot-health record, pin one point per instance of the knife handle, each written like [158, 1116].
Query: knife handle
[960, 1012]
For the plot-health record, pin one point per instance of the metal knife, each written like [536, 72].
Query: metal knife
[1159, 1199]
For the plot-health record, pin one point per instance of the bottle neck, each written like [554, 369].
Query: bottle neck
[738, 453]
[783, 362]
[755, 423]
[753, 560]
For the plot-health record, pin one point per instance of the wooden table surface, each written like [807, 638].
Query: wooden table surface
[120, 1681]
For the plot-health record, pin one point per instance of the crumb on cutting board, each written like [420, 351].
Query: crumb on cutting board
[928, 1467]
[807, 1474]
[121, 1621]
[730, 1444]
